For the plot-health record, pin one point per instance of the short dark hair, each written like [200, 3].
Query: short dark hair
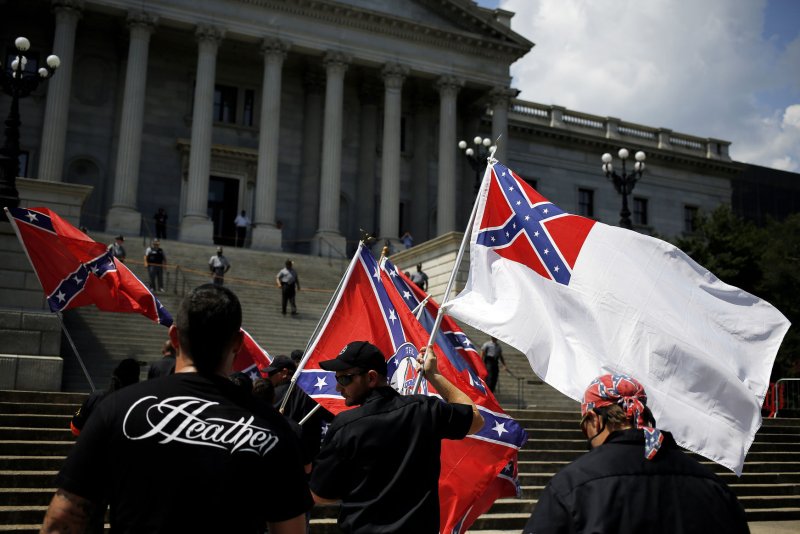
[288, 264]
[207, 320]
[264, 389]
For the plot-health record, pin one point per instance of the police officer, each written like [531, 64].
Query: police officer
[381, 459]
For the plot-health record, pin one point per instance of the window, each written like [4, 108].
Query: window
[690, 219]
[225, 103]
[640, 211]
[586, 202]
[249, 106]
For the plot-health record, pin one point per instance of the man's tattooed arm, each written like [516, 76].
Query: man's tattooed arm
[68, 513]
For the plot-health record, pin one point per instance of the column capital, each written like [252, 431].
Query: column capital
[501, 96]
[336, 61]
[141, 19]
[393, 75]
[449, 85]
[209, 34]
[75, 6]
[273, 47]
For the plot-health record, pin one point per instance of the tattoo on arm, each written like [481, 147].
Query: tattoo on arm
[67, 513]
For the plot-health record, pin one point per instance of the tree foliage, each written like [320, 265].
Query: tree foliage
[761, 261]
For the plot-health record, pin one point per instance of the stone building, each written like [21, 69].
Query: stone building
[318, 118]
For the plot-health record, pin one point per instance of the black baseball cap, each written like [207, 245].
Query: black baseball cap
[278, 363]
[361, 354]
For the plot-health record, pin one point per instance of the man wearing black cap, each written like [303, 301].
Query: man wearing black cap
[381, 459]
[299, 405]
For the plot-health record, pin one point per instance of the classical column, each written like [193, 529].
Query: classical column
[266, 235]
[420, 206]
[328, 240]
[123, 217]
[446, 196]
[308, 192]
[56, 111]
[393, 76]
[195, 225]
[368, 132]
[500, 98]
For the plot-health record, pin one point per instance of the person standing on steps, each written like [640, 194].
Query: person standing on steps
[156, 261]
[492, 355]
[420, 278]
[161, 223]
[242, 223]
[118, 249]
[218, 265]
[287, 280]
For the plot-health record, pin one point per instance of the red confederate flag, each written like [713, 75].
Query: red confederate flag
[368, 308]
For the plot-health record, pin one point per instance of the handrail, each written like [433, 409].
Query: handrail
[777, 391]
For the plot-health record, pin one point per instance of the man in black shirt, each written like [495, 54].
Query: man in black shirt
[635, 479]
[381, 459]
[190, 452]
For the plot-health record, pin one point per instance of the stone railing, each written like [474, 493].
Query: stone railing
[617, 129]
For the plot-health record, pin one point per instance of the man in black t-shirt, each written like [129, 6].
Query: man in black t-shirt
[190, 452]
[381, 459]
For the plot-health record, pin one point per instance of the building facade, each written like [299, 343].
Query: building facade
[319, 118]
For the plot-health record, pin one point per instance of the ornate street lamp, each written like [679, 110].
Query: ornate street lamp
[624, 182]
[477, 156]
[17, 83]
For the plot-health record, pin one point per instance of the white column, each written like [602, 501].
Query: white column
[367, 154]
[446, 194]
[393, 76]
[328, 240]
[500, 99]
[266, 235]
[123, 217]
[56, 111]
[195, 225]
[308, 191]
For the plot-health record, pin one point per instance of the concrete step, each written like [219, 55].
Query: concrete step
[10, 408]
[34, 420]
[34, 448]
[35, 434]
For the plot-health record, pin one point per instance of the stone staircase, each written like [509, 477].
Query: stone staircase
[34, 439]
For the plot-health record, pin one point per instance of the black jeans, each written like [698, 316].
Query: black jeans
[287, 295]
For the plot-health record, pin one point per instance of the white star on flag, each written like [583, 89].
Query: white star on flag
[492, 238]
[392, 316]
[61, 296]
[507, 234]
[321, 383]
[31, 216]
[510, 188]
[536, 233]
[77, 280]
[95, 270]
[406, 295]
[545, 211]
[514, 226]
[527, 217]
[500, 428]
[555, 268]
[519, 202]
[547, 251]
[376, 274]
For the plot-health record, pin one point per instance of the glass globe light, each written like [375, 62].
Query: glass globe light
[487, 142]
[640, 156]
[22, 44]
[53, 61]
[606, 158]
[462, 145]
[470, 152]
[477, 140]
[43, 72]
[623, 153]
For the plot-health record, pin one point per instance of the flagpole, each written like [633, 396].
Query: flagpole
[467, 233]
[75, 350]
[322, 320]
[10, 219]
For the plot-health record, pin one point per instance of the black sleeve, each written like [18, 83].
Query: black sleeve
[329, 478]
[451, 421]
[87, 463]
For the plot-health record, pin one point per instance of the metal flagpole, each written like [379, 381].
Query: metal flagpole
[467, 233]
[322, 320]
[75, 350]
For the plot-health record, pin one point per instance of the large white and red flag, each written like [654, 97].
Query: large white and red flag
[581, 298]
[368, 308]
[75, 270]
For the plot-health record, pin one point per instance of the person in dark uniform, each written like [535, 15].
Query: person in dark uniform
[381, 459]
[166, 365]
[635, 479]
[299, 404]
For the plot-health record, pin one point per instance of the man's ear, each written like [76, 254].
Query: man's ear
[174, 338]
[373, 378]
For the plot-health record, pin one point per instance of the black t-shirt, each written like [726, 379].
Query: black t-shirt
[87, 408]
[188, 453]
[382, 461]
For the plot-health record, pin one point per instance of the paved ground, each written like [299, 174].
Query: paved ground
[774, 527]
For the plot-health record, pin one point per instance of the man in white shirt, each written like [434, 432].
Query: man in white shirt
[242, 222]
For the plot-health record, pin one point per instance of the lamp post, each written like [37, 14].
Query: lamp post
[477, 156]
[624, 182]
[17, 83]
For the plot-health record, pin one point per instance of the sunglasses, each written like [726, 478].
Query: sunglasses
[346, 380]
